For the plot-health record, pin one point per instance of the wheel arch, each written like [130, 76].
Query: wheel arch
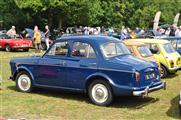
[6, 45]
[96, 76]
[20, 69]
[162, 64]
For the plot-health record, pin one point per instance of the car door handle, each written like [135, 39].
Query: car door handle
[92, 64]
[62, 63]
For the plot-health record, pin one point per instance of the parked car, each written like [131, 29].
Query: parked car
[164, 52]
[140, 50]
[100, 66]
[176, 42]
[9, 44]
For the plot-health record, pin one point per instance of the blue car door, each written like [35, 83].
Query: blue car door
[51, 69]
[80, 65]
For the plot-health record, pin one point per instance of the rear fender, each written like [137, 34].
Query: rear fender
[99, 75]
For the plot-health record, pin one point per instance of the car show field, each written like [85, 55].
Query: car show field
[54, 104]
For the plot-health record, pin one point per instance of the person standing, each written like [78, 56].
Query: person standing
[47, 35]
[178, 32]
[12, 32]
[37, 39]
[173, 29]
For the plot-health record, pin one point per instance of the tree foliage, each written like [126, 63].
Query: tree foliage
[108, 13]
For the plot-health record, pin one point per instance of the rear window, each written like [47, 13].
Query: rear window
[168, 48]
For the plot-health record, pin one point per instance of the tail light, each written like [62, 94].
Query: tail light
[137, 76]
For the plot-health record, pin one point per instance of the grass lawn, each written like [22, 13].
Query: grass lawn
[55, 105]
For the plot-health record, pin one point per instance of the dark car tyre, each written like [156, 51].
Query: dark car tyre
[26, 50]
[163, 72]
[24, 82]
[7, 48]
[44, 46]
[173, 72]
[100, 93]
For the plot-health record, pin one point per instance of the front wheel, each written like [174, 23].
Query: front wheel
[100, 93]
[7, 48]
[24, 82]
[26, 50]
[163, 72]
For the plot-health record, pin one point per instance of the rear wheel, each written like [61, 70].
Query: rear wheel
[7, 48]
[100, 93]
[26, 50]
[43, 45]
[163, 72]
[24, 82]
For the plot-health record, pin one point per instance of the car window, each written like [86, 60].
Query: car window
[130, 49]
[59, 49]
[144, 51]
[84, 50]
[168, 48]
[173, 42]
[4, 36]
[113, 49]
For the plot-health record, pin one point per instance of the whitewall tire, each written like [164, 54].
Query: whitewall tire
[24, 82]
[100, 93]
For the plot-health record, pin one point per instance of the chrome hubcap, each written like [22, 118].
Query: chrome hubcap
[24, 82]
[99, 93]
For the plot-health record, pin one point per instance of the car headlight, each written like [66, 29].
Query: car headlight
[171, 63]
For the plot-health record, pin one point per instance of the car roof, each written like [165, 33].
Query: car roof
[133, 43]
[171, 38]
[91, 38]
[148, 40]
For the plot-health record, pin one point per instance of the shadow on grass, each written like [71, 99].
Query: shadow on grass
[133, 102]
[173, 111]
[172, 76]
[119, 102]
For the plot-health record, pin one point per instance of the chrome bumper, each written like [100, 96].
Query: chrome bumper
[149, 89]
[175, 68]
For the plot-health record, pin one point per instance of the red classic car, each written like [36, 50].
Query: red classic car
[9, 44]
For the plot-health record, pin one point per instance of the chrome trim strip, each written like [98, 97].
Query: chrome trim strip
[175, 68]
[95, 68]
[56, 87]
[116, 70]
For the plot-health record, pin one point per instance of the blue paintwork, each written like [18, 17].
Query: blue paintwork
[178, 41]
[119, 71]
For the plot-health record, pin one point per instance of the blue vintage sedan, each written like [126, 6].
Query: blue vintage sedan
[100, 66]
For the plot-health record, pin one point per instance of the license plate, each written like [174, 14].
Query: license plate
[150, 76]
